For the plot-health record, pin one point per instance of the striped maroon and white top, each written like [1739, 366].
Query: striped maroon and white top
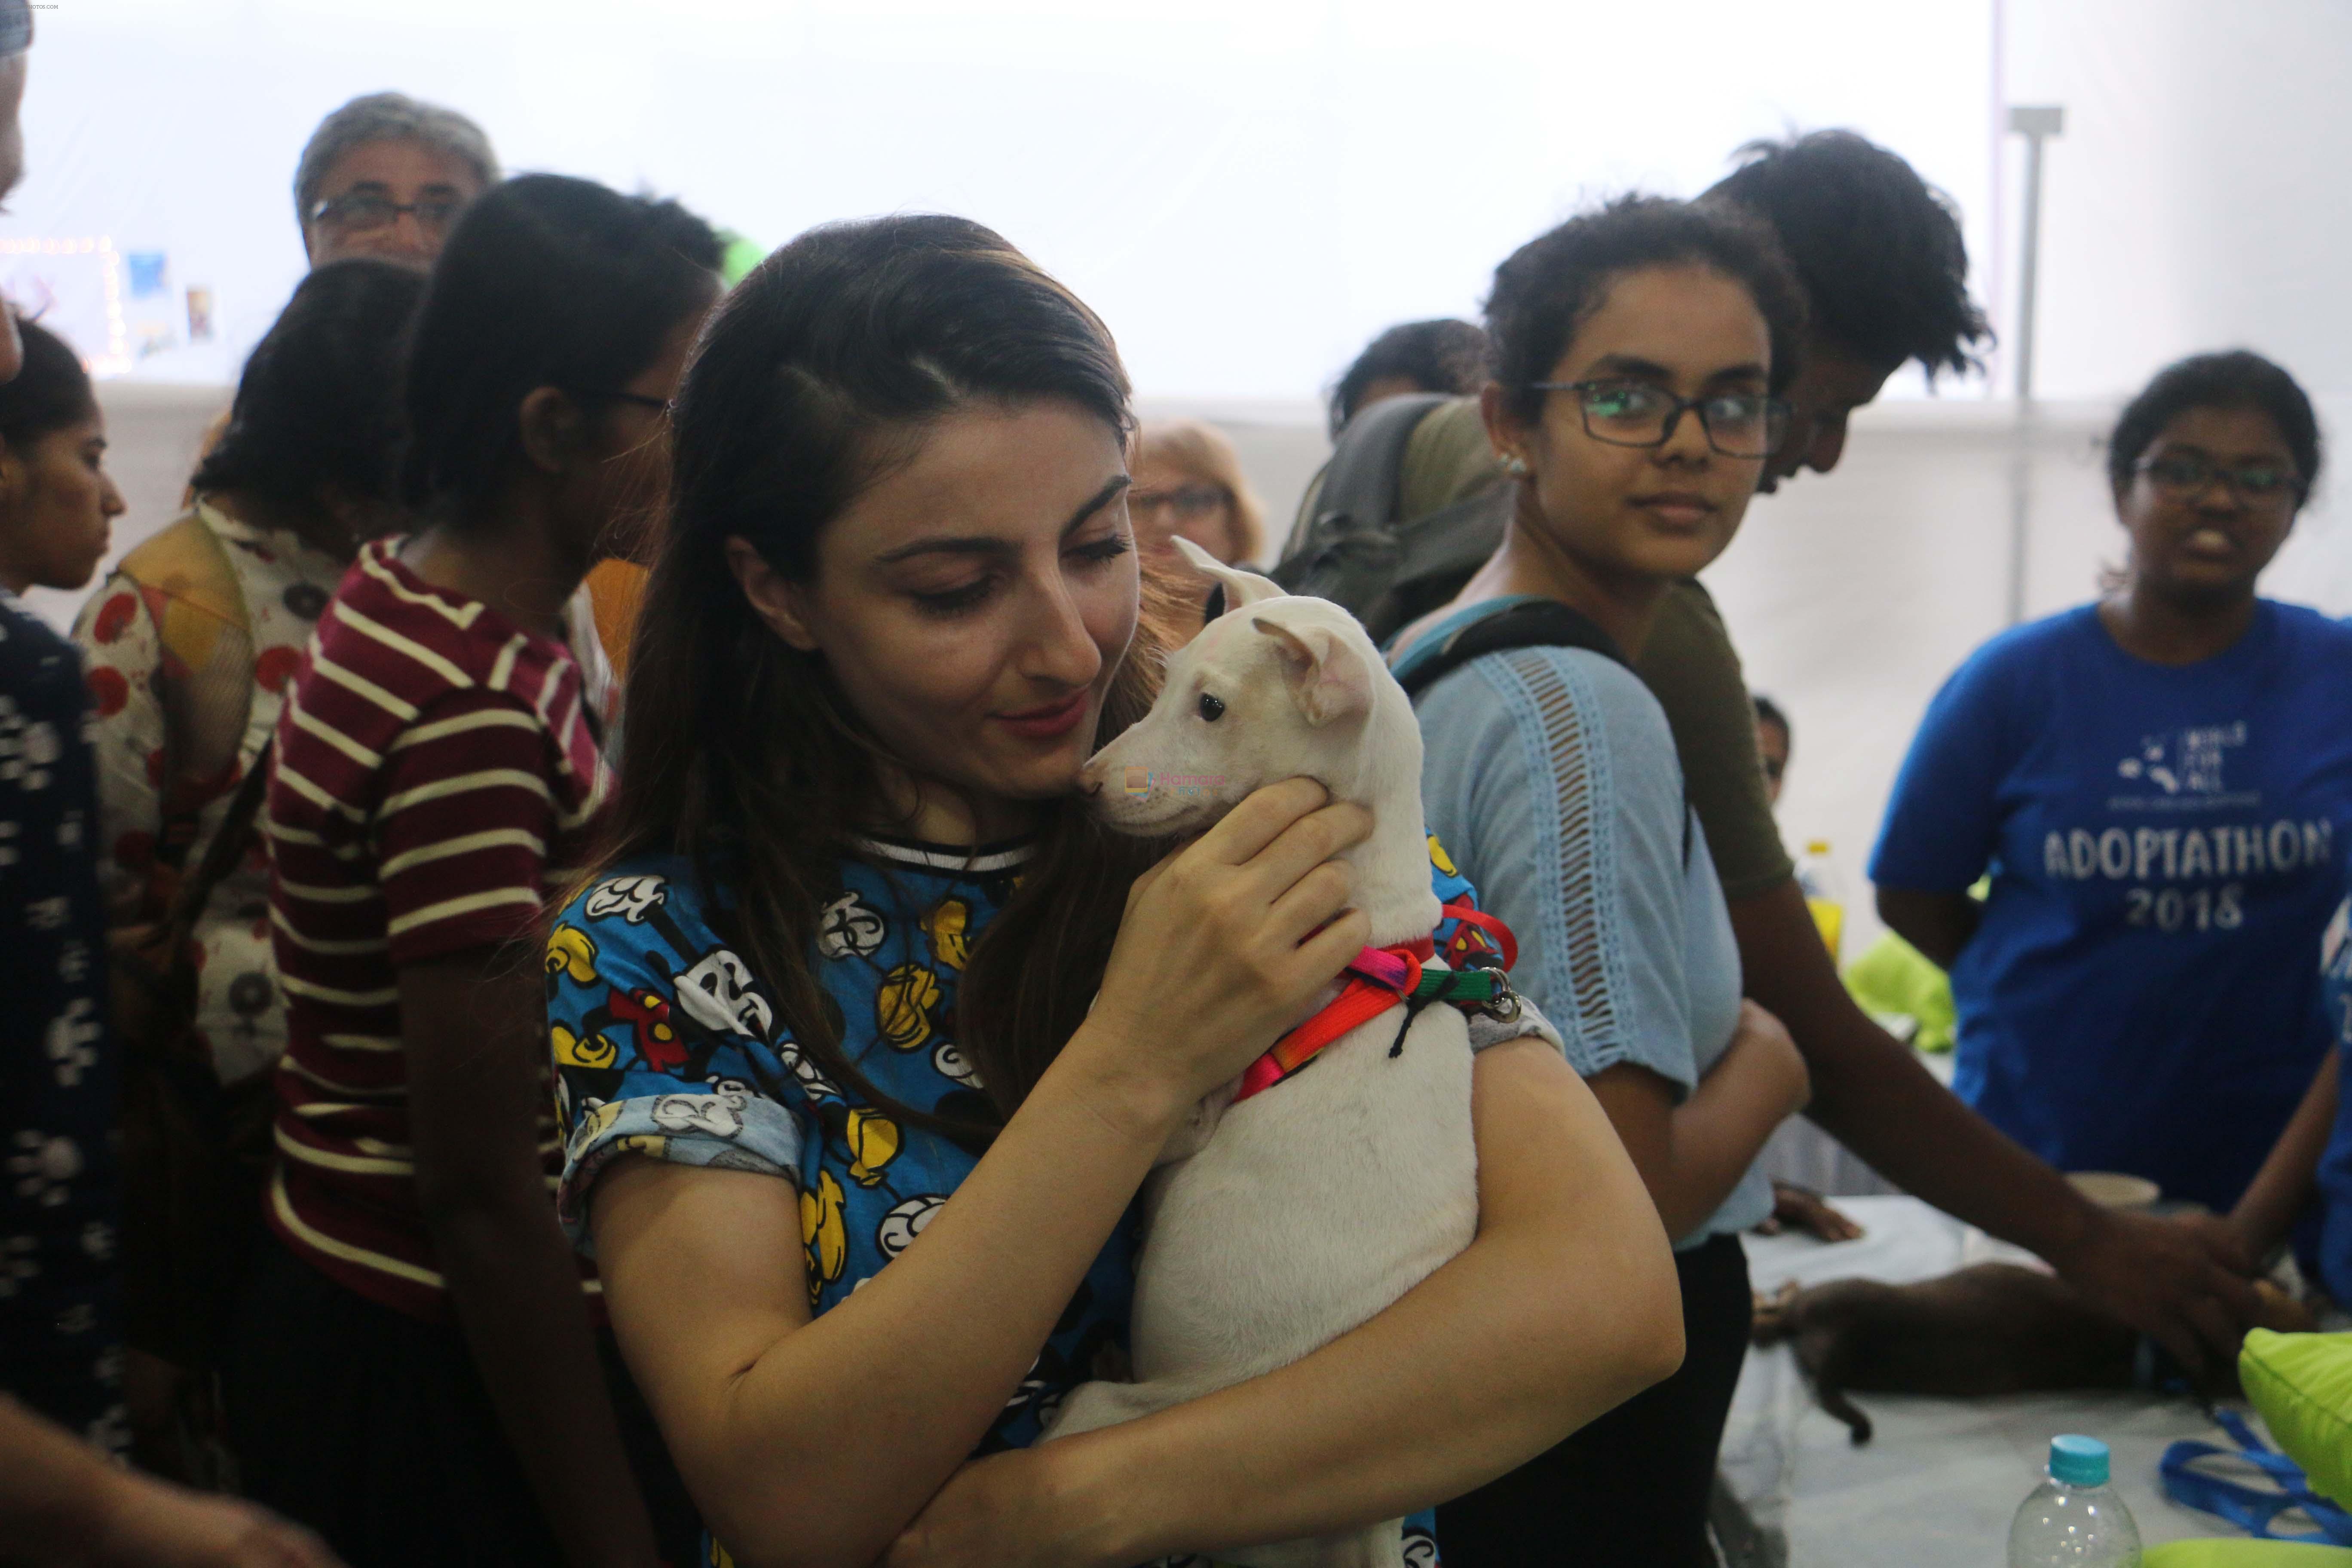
[434, 778]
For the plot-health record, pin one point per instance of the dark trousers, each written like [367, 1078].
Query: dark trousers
[1630, 1488]
[373, 1428]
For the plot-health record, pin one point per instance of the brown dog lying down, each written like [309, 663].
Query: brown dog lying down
[1993, 1328]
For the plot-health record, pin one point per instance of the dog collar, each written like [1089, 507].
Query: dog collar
[1380, 978]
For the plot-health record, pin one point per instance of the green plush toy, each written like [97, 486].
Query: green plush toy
[1895, 978]
[2244, 1554]
[2302, 1385]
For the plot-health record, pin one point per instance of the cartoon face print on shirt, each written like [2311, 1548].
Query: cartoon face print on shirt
[850, 927]
[904, 1222]
[952, 1063]
[631, 898]
[720, 1114]
[717, 991]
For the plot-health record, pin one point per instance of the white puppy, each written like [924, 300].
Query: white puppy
[1278, 1223]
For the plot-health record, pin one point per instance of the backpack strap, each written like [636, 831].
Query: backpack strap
[1533, 623]
[1361, 483]
[172, 985]
[226, 848]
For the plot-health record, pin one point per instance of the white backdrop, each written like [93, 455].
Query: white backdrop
[1246, 189]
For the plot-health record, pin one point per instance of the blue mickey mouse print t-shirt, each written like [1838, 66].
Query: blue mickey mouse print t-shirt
[2167, 844]
[666, 1047]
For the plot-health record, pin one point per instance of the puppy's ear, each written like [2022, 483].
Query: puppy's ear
[1241, 587]
[1326, 675]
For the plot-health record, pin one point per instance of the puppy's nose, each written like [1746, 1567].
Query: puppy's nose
[1090, 781]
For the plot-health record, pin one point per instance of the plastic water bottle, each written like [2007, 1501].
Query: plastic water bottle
[1824, 893]
[2075, 1519]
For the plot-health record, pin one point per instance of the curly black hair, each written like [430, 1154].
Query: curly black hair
[318, 406]
[1548, 287]
[1443, 355]
[1877, 249]
[2237, 379]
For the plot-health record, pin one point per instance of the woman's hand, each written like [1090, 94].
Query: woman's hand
[160, 1526]
[2183, 1284]
[1802, 1208]
[1224, 945]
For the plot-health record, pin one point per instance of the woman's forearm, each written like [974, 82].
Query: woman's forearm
[828, 1434]
[2281, 1188]
[516, 1293]
[1692, 1152]
[1563, 1306]
[1716, 1133]
[471, 1039]
[55, 1493]
[1938, 924]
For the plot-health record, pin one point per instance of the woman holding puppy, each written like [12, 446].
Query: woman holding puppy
[1640, 350]
[860, 975]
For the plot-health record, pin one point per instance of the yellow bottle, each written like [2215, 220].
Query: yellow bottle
[1823, 894]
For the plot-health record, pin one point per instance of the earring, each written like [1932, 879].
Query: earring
[1515, 466]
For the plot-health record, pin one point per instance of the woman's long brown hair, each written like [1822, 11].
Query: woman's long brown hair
[820, 369]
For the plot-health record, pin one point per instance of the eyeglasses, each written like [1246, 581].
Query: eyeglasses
[1637, 414]
[363, 212]
[2184, 476]
[1189, 502]
[643, 400]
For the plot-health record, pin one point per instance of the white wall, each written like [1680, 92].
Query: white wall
[1247, 190]
[2196, 200]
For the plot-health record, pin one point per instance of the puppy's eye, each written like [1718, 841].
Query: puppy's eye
[1212, 707]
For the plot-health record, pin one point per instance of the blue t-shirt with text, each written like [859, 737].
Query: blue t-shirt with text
[2166, 845]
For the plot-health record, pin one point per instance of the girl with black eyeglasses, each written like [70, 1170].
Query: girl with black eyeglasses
[2160, 783]
[1640, 350]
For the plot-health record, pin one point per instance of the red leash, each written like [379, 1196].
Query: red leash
[1380, 978]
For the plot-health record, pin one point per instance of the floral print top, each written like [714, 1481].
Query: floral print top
[61, 1074]
[189, 646]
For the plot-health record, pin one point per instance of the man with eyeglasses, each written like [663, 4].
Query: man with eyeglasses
[385, 175]
[1880, 256]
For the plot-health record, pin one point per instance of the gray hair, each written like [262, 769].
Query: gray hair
[387, 116]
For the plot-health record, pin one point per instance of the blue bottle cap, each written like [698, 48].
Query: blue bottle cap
[2078, 1461]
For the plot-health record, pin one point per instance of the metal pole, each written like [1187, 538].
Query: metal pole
[2035, 123]
[2029, 268]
